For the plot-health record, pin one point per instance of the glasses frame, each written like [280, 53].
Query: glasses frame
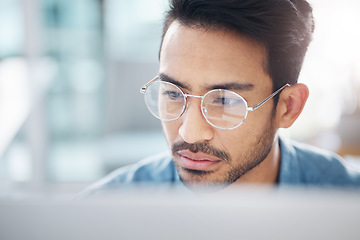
[186, 95]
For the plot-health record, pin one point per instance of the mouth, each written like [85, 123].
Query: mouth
[197, 161]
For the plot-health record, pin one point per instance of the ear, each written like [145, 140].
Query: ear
[291, 103]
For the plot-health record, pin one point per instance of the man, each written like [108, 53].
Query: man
[227, 82]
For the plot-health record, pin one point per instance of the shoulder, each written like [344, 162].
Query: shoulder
[305, 164]
[155, 169]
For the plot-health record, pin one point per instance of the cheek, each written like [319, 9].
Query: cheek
[260, 119]
[239, 141]
[171, 130]
[235, 141]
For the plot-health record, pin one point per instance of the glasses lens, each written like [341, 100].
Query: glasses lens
[224, 109]
[165, 100]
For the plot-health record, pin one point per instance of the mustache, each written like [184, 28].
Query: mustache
[201, 147]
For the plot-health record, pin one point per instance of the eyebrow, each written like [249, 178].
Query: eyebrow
[234, 86]
[166, 78]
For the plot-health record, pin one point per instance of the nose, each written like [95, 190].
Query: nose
[194, 127]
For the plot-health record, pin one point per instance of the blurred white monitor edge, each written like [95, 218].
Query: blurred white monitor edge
[244, 213]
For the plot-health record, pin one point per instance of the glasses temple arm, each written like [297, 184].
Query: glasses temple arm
[268, 98]
[142, 90]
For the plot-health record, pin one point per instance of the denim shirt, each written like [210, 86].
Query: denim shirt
[301, 165]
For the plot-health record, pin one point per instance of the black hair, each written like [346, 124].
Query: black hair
[284, 27]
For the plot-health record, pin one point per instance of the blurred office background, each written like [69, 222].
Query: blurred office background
[71, 70]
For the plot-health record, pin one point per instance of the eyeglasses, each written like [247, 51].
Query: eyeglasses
[221, 108]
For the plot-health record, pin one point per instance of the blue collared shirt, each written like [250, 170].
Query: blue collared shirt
[301, 165]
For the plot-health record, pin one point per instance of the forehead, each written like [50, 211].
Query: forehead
[197, 57]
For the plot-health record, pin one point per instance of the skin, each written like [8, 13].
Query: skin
[200, 60]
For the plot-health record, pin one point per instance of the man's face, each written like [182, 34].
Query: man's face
[199, 60]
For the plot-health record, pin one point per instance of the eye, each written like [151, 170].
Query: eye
[227, 101]
[172, 95]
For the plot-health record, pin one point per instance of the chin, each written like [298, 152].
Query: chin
[201, 181]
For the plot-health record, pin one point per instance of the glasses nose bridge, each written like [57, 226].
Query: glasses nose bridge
[193, 96]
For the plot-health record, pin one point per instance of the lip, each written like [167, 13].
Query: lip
[197, 161]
